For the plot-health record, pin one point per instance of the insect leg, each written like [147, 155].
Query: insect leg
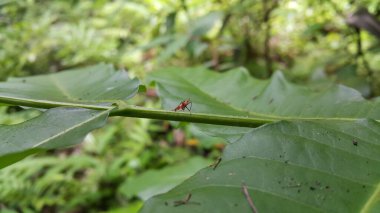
[188, 109]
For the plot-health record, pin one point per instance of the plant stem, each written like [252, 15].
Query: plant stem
[49, 104]
[141, 112]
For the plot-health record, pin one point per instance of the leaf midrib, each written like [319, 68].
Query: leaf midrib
[347, 134]
[61, 88]
[372, 200]
[70, 129]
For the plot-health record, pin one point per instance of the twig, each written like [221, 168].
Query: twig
[358, 43]
[360, 55]
[266, 19]
[216, 163]
[249, 199]
[225, 21]
[228, 16]
[183, 202]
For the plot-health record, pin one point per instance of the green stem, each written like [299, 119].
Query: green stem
[48, 104]
[141, 112]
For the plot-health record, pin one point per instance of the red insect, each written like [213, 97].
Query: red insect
[183, 105]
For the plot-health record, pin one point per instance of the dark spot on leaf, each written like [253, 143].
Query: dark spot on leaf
[235, 204]
[244, 156]
[366, 162]
[287, 161]
[166, 203]
[270, 101]
[312, 188]
[327, 187]
[23, 80]
[291, 179]
[363, 186]
[299, 190]
[354, 142]
[254, 97]
[280, 156]
[348, 191]
[279, 182]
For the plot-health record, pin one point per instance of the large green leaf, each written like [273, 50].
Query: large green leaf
[148, 184]
[324, 158]
[289, 166]
[90, 85]
[55, 128]
[236, 93]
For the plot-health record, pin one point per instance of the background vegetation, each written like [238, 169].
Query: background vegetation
[312, 43]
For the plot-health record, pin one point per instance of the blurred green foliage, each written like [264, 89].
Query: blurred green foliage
[46, 36]
[308, 40]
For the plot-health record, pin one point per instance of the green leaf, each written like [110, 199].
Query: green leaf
[324, 158]
[288, 166]
[160, 40]
[55, 128]
[236, 93]
[202, 25]
[152, 182]
[172, 48]
[85, 86]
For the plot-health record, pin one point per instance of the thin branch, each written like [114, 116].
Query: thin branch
[268, 27]
[183, 202]
[214, 165]
[360, 53]
[45, 104]
[225, 21]
[249, 199]
[255, 119]
[227, 17]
